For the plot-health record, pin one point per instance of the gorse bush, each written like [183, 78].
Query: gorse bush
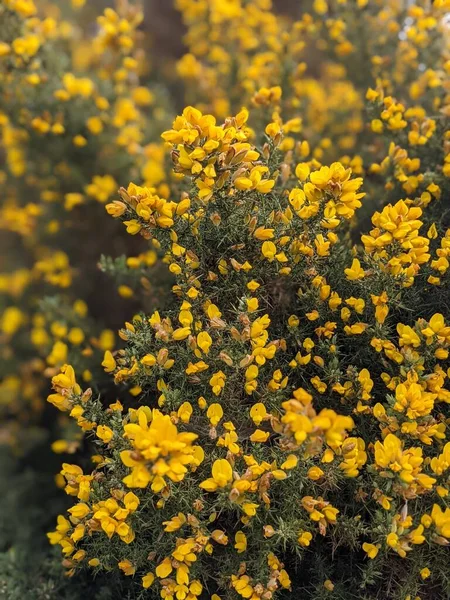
[271, 421]
[286, 395]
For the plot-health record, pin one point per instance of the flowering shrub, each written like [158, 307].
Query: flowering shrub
[276, 426]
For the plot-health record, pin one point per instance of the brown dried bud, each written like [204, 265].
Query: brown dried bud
[217, 322]
[216, 219]
[198, 505]
[193, 521]
[226, 358]
[117, 494]
[93, 525]
[66, 563]
[234, 495]
[440, 540]
[268, 531]
[87, 394]
[238, 157]
[235, 334]
[252, 224]
[124, 194]
[162, 356]
[235, 264]
[222, 179]
[246, 361]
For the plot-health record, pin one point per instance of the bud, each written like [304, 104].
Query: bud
[162, 356]
[86, 395]
[438, 539]
[252, 224]
[226, 359]
[246, 361]
[234, 495]
[193, 521]
[117, 494]
[66, 563]
[268, 531]
[216, 219]
[198, 505]
[124, 194]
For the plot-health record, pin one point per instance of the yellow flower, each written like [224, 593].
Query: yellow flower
[355, 272]
[322, 245]
[214, 413]
[441, 520]
[249, 508]
[175, 523]
[370, 549]
[392, 540]
[217, 382]
[240, 542]
[302, 171]
[80, 510]
[355, 329]
[164, 569]
[185, 412]
[259, 436]
[27, 45]
[5, 49]
[109, 363]
[252, 304]
[159, 447]
[315, 473]
[11, 319]
[222, 475]
[290, 463]
[93, 562]
[127, 567]
[105, 433]
[147, 580]
[258, 413]
[263, 233]
[204, 341]
[408, 337]
[304, 538]
[131, 501]
[181, 334]
[148, 360]
[437, 327]
[269, 250]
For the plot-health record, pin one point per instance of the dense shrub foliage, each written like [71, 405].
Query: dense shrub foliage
[271, 420]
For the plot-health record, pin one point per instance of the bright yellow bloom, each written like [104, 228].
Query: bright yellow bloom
[222, 475]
